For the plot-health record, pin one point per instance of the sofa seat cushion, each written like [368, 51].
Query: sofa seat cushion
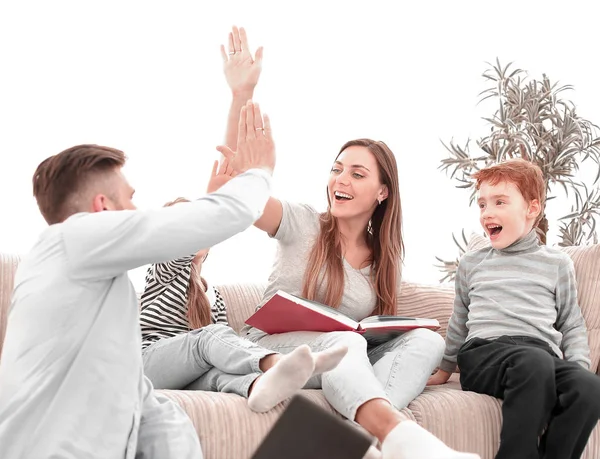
[465, 421]
[227, 428]
[468, 421]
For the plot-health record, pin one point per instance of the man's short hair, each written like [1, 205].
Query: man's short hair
[60, 179]
[525, 175]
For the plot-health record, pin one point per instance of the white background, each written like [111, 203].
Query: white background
[146, 77]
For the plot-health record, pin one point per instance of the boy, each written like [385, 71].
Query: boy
[517, 332]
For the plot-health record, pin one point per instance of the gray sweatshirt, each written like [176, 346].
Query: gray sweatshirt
[526, 289]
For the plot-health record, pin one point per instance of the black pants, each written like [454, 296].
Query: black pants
[539, 390]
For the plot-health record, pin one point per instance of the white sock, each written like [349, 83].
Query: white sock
[282, 380]
[408, 440]
[329, 358]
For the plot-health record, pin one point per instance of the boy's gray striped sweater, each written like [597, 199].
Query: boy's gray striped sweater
[526, 289]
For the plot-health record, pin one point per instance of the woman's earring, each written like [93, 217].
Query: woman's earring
[379, 202]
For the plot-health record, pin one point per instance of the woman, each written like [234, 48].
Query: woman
[350, 258]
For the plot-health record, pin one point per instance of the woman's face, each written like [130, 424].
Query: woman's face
[354, 187]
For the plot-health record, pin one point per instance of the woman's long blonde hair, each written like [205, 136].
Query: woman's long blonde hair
[383, 236]
[198, 305]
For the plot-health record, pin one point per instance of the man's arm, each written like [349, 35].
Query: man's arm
[106, 244]
[569, 320]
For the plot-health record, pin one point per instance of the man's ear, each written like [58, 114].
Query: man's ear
[100, 203]
[534, 209]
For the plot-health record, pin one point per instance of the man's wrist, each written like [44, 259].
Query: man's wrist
[268, 170]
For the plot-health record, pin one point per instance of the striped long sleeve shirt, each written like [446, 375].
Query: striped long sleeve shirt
[164, 301]
[526, 289]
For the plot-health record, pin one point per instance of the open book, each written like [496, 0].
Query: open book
[285, 312]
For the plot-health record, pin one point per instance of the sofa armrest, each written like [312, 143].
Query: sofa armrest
[8, 267]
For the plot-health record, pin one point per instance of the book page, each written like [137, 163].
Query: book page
[391, 322]
[376, 319]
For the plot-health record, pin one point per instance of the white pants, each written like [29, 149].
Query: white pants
[396, 371]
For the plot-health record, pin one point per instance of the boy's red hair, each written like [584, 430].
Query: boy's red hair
[527, 177]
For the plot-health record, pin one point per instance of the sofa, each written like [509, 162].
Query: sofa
[464, 420]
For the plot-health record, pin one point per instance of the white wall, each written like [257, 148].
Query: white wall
[146, 77]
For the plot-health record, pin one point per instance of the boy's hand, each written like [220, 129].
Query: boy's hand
[440, 377]
[241, 70]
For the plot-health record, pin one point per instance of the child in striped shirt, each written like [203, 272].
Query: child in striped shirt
[187, 343]
[517, 332]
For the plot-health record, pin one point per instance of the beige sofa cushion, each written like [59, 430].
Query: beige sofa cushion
[240, 300]
[428, 301]
[587, 270]
[227, 428]
[466, 421]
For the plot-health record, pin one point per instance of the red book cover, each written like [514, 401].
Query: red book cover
[286, 313]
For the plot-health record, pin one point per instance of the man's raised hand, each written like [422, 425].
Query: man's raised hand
[256, 148]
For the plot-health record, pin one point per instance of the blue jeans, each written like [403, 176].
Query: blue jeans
[211, 358]
[396, 371]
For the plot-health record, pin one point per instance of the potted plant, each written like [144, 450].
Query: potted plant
[534, 122]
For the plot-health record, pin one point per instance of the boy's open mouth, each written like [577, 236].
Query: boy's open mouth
[494, 229]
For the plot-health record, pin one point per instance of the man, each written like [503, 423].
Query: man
[71, 378]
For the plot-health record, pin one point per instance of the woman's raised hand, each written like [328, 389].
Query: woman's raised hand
[256, 148]
[241, 70]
